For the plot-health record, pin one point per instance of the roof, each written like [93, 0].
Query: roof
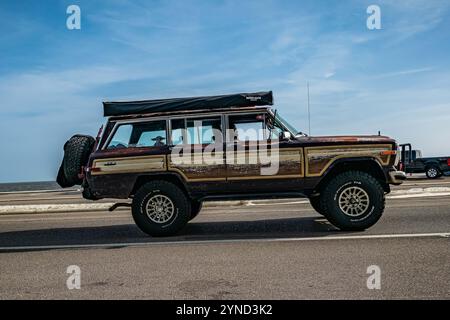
[187, 104]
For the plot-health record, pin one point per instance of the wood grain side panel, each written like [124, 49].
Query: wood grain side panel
[129, 165]
[318, 159]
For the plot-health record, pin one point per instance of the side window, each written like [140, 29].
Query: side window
[147, 134]
[248, 127]
[418, 154]
[177, 134]
[275, 128]
[121, 138]
[196, 131]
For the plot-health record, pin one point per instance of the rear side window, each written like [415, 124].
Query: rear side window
[138, 135]
[196, 131]
[177, 133]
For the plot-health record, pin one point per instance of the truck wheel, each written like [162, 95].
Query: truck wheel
[161, 208]
[76, 154]
[433, 172]
[315, 203]
[196, 207]
[353, 201]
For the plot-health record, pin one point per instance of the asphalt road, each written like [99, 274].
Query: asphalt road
[271, 250]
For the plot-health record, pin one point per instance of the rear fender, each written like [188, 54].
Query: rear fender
[167, 176]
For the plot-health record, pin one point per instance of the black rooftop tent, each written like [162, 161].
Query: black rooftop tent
[192, 103]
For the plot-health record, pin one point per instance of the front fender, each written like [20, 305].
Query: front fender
[370, 165]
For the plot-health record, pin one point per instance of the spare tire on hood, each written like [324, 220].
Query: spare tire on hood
[76, 155]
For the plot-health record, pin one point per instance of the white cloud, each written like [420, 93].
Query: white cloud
[403, 72]
[411, 18]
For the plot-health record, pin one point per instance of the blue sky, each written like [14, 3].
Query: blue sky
[52, 80]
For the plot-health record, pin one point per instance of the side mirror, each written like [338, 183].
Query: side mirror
[285, 135]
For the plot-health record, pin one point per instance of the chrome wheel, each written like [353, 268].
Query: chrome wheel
[160, 209]
[432, 173]
[353, 201]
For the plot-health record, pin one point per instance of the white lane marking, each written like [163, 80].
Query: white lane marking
[421, 195]
[41, 191]
[251, 203]
[423, 183]
[37, 208]
[196, 242]
[421, 190]
[41, 199]
[105, 217]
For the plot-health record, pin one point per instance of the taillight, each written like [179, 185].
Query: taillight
[448, 162]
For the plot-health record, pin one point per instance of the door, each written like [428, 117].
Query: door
[256, 160]
[197, 149]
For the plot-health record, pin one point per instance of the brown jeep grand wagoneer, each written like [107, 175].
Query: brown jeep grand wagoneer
[170, 155]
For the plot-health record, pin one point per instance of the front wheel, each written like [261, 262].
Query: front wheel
[353, 201]
[161, 208]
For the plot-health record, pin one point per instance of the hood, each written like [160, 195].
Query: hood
[368, 139]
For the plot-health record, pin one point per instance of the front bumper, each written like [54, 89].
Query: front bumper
[396, 177]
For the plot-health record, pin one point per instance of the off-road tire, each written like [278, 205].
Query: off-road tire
[179, 218]
[76, 154]
[347, 181]
[433, 172]
[196, 207]
[61, 178]
[315, 203]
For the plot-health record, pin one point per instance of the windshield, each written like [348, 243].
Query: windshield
[280, 120]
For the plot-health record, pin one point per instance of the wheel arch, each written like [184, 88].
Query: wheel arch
[431, 163]
[172, 177]
[369, 165]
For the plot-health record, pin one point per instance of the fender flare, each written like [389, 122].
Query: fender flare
[340, 165]
[170, 176]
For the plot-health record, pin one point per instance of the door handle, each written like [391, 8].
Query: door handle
[111, 163]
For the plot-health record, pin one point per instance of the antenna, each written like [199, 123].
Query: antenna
[309, 114]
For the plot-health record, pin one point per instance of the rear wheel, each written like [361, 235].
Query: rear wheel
[161, 208]
[353, 200]
[433, 172]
